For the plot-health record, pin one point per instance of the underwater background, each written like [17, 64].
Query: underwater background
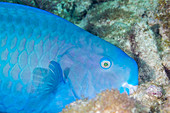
[138, 27]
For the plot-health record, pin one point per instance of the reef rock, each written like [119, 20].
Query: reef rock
[106, 102]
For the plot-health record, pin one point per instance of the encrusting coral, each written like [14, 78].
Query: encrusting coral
[166, 106]
[163, 14]
[106, 102]
[47, 5]
[150, 95]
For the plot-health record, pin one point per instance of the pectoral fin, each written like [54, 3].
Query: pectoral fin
[45, 84]
[46, 81]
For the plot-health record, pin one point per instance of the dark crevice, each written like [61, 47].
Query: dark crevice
[133, 45]
[167, 71]
[158, 39]
[73, 10]
[99, 1]
[155, 29]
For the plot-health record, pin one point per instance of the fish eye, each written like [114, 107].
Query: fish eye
[105, 63]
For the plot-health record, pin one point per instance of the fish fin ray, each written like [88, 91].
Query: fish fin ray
[46, 81]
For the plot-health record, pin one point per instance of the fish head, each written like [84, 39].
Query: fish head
[96, 65]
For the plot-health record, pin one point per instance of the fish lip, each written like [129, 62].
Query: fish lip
[131, 88]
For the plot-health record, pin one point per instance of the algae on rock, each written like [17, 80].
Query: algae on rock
[106, 102]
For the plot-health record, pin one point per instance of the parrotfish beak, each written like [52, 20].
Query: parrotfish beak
[131, 85]
[128, 88]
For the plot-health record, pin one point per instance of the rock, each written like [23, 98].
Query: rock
[106, 102]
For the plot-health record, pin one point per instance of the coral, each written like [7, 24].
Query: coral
[150, 95]
[105, 102]
[103, 21]
[163, 14]
[47, 5]
[166, 106]
[154, 91]
[24, 2]
[72, 10]
[104, 24]
[149, 60]
[121, 12]
[98, 1]
[10, 1]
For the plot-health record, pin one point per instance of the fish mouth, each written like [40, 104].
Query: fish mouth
[128, 88]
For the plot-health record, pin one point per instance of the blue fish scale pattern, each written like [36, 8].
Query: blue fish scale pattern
[22, 50]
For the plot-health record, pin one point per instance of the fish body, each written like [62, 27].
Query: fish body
[47, 62]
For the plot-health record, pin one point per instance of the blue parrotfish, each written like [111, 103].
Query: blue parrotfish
[47, 62]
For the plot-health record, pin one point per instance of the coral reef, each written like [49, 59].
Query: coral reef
[154, 97]
[106, 102]
[71, 10]
[148, 57]
[163, 15]
[113, 19]
[47, 5]
[165, 108]
[150, 95]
